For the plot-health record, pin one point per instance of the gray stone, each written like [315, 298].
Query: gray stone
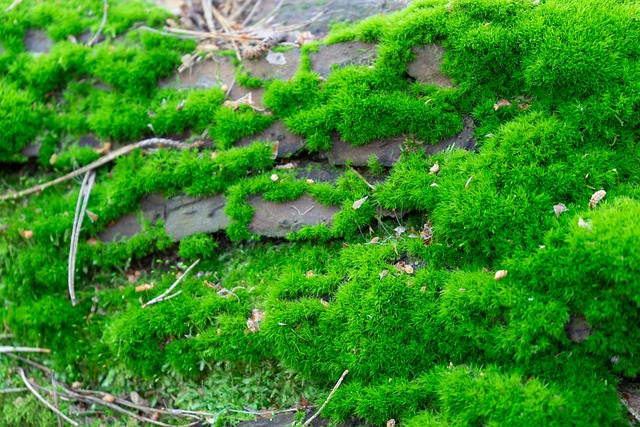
[386, 150]
[426, 68]
[578, 329]
[126, 226]
[187, 215]
[37, 41]
[465, 140]
[341, 55]
[214, 72]
[262, 69]
[279, 219]
[31, 150]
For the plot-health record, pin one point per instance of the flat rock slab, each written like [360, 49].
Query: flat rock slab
[37, 41]
[388, 150]
[265, 70]
[341, 55]
[279, 219]
[204, 75]
[426, 68]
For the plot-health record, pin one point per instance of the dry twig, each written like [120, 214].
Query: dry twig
[42, 399]
[29, 362]
[10, 349]
[55, 396]
[96, 37]
[100, 162]
[13, 5]
[362, 178]
[81, 208]
[344, 374]
[13, 390]
[208, 15]
[165, 295]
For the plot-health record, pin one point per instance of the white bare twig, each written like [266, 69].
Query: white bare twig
[10, 349]
[96, 37]
[344, 374]
[165, 294]
[13, 5]
[55, 396]
[42, 399]
[81, 208]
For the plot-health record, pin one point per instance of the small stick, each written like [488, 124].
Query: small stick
[29, 362]
[630, 409]
[55, 396]
[251, 13]
[42, 399]
[6, 336]
[81, 208]
[13, 390]
[13, 5]
[208, 16]
[344, 374]
[163, 296]
[238, 11]
[105, 12]
[101, 161]
[362, 178]
[10, 349]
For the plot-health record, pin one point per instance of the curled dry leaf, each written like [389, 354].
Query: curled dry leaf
[434, 169]
[427, 233]
[595, 199]
[104, 149]
[399, 230]
[408, 269]
[304, 38]
[500, 104]
[27, 234]
[145, 287]
[359, 202]
[383, 274]
[274, 177]
[253, 322]
[93, 217]
[324, 303]
[375, 240]
[286, 166]
[92, 241]
[391, 423]
[310, 181]
[309, 273]
[108, 398]
[559, 208]
[500, 274]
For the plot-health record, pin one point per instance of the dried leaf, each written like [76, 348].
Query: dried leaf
[375, 240]
[468, 182]
[391, 422]
[595, 199]
[358, 203]
[92, 241]
[399, 230]
[27, 234]
[104, 149]
[145, 287]
[274, 177]
[187, 62]
[384, 274]
[245, 100]
[304, 38]
[559, 208]
[310, 181]
[324, 303]
[500, 274]
[434, 185]
[309, 273]
[584, 224]
[253, 322]
[500, 104]
[408, 269]
[53, 159]
[434, 169]
[108, 398]
[137, 399]
[287, 166]
[93, 217]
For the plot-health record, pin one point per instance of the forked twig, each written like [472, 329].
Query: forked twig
[96, 37]
[27, 383]
[165, 294]
[344, 374]
[81, 208]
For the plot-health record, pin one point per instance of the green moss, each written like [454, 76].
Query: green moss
[197, 246]
[230, 125]
[20, 122]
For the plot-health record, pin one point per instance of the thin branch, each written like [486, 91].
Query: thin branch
[29, 362]
[10, 349]
[251, 13]
[344, 374]
[238, 11]
[55, 396]
[269, 16]
[42, 399]
[81, 208]
[208, 15]
[362, 178]
[235, 35]
[13, 5]
[13, 390]
[163, 296]
[6, 336]
[105, 12]
[101, 161]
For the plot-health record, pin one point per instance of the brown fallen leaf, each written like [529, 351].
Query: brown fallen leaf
[310, 181]
[145, 287]
[309, 273]
[375, 240]
[434, 169]
[274, 177]
[408, 269]
[391, 422]
[104, 149]
[253, 322]
[501, 274]
[108, 398]
[92, 241]
[324, 303]
[500, 104]
[359, 202]
[27, 234]
[384, 273]
[595, 199]
[93, 217]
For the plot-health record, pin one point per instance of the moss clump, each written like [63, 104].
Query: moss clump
[21, 120]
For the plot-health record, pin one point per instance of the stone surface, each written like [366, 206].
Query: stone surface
[578, 329]
[341, 55]
[279, 219]
[464, 140]
[426, 67]
[37, 41]
[214, 72]
[187, 215]
[288, 143]
[262, 69]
